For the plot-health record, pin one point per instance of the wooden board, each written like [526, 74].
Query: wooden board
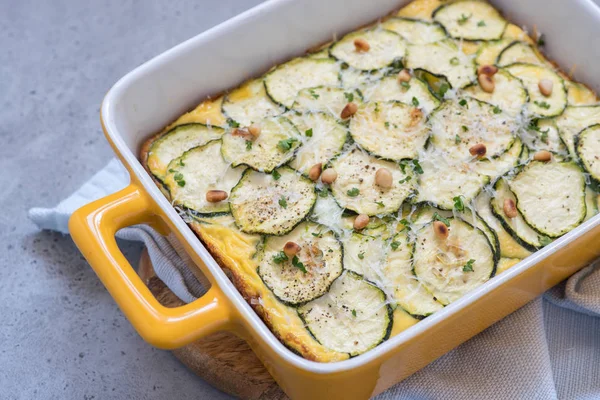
[222, 359]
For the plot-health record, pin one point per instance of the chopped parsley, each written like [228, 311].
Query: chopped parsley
[380, 204]
[349, 97]
[438, 217]
[465, 128]
[232, 123]
[280, 258]
[286, 144]
[408, 178]
[463, 19]
[542, 104]
[405, 85]
[497, 110]
[544, 240]
[457, 139]
[322, 192]
[454, 61]
[248, 145]
[544, 136]
[481, 23]
[444, 87]
[313, 94]
[458, 203]
[308, 132]
[387, 124]
[463, 103]
[283, 202]
[353, 312]
[296, 263]
[395, 245]
[468, 267]
[417, 167]
[415, 101]
[317, 234]
[361, 255]
[353, 192]
[405, 222]
[178, 177]
[181, 164]
[275, 174]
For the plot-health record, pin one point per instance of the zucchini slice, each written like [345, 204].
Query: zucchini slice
[453, 267]
[390, 130]
[176, 142]
[519, 52]
[353, 317]
[579, 94]
[328, 99]
[250, 103]
[276, 145]
[284, 82]
[307, 275]
[506, 263]
[385, 47]
[499, 166]
[355, 189]
[456, 126]
[262, 204]
[388, 263]
[507, 245]
[539, 104]
[415, 31]
[517, 227]
[442, 181]
[574, 120]
[489, 51]
[470, 20]
[550, 196]
[443, 58]
[388, 89]
[587, 147]
[323, 139]
[327, 212]
[509, 93]
[542, 134]
[427, 214]
[197, 171]
[361, 81]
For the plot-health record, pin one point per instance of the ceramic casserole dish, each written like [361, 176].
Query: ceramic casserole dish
[156, 93]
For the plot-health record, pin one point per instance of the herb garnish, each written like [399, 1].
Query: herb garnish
[353, 192]
[275, 174]
[313, 94]
[438, 217]
[542, 104]
[279, 258]
[408, 177]
[361, 255]
[248, 145]
[353, 312]
[308, 132]
[349, 96]
[283, 202]
[497, 110]
[468, 267]
[444, 87]
[232, 123]
[544, 240]
[457, 139]
[464, 18]
[458, 203]
[463, 103]
[415, 102]
[178, 177]
[481, 23]
[405, 85]
[417, 167]
[322, 192]
[286, 144]
[296, 263]
[395, 245]
[380, 204]
[541, 40]
[454, 61]
[465, 128]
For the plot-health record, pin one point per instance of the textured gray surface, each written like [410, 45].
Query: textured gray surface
[61, 334]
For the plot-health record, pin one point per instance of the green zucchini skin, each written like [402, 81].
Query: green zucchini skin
[595, 178]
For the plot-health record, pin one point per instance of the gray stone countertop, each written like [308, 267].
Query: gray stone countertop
[62, 336]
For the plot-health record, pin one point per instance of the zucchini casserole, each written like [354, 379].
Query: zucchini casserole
[353, 191]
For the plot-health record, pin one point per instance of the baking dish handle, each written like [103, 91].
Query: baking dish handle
[93, 228]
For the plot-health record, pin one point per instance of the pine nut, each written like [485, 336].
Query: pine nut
[383, 178]
[440, 229]
[215, 196]
[349, 110]
[254, 130]
[546, 86]
[329, 176]
[243, 133]
[510, 208]
[361, 45]
[478, 150]
[291, 249]
[361, 221]
[404, 76]
[542, 155]
[489, 70]
[487, 83]
[314, 172]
